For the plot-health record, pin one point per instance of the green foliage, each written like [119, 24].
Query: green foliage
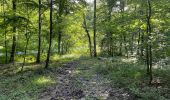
[24, 86]
[121, 30]
[128, 74]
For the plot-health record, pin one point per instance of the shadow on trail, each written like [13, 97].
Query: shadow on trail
[78, 80]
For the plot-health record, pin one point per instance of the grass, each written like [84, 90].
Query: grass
[24, 86]
[27, 85]
[122, 72]
[131, 75]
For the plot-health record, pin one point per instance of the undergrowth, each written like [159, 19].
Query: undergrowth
[131, 75]
[27, 85]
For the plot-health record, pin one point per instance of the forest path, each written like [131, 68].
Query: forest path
[78, 80]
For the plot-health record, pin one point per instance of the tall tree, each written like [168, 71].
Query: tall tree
[94, 29]
[14, 33]
[27, 36]
[149, 45]
[51, 31]
[39, 33]
[88, 34]
[5, 34]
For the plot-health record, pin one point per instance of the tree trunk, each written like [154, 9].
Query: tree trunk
[149, 34]
[142, 45]
[6, 49]
[132, 44]
[59, 42]
[59, 22]
[27, 35]
[125, 45]
[14, 35]
[51, 29]
[94, 27]
[139, 39]
[149, 45]
[25, 52]
[88, 35]
[109, 34]
[5, 33]
[120, 47]
[39, 35]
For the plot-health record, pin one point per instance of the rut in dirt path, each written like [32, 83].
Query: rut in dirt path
[78, 82]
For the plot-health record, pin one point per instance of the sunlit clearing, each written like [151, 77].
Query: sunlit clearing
[55, 57]
[132, 60]
[1, 47]
[71, 56]
[67, 56]
[44, 80]
[29, 59]
[76, 71]
[89, 1]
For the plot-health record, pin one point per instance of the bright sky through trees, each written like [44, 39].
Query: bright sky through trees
[90, 1]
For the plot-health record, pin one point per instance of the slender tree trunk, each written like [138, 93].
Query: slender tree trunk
[25, 52]
[139, 39]
[14, 35]
[51, 29]
[88, 35]
[6, 49]
[59, 42]
[94, 27]
[39, 35]
[147, 59]
[62, 49]
[131, 48]
[27, 35]
[109, 34]
[59, 30]
[142, 45]
[149, 34]
[120, 47]
[5, 33]
[126, 49]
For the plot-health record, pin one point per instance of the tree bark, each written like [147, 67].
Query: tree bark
[149, 34]
[88, 35]
[59, 22]
[5, 35]
[142, 46]
[25, 52]
[27, 35]
[149, 45]
[139, 39]
[94, 28]
[51, 30]
[39, 34]
[14, 35]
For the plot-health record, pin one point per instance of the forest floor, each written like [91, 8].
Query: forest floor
[78, 80]
[83, 78]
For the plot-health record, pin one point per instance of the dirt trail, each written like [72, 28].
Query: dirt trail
[74, 83]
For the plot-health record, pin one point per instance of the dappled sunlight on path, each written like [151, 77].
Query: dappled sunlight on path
[78, 80]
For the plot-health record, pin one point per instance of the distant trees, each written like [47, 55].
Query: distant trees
[137, 29]
[119, 27]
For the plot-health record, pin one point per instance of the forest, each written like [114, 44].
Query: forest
[84, 49]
